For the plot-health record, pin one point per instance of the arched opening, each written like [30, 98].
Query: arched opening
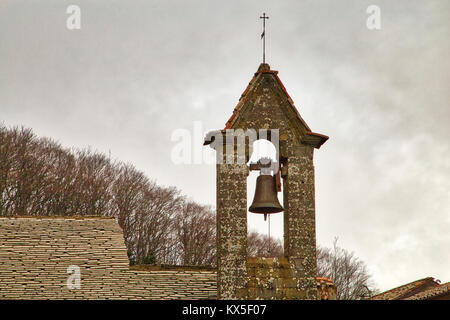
[265, 237]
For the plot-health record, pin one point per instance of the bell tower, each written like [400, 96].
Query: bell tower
[266, 111]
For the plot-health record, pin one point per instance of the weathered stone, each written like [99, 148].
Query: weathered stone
[265, 104]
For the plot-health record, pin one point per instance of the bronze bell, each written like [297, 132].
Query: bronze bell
[266, 200]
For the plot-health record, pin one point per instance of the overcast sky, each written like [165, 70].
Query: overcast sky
[137, 71]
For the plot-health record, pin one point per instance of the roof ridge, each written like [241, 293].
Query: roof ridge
[431, 292]
[402, 286]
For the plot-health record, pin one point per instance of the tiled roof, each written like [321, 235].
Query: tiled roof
[313, 138]
[179, 284]
[35, 254]
[407, 290]
[434, 292]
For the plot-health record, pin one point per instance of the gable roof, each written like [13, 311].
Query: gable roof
[311, 138]
[407, 290]
[35, 254]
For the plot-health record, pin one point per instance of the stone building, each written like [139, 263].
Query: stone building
[265, 106]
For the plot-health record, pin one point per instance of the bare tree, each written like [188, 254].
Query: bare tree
[21, 171]
[6, 168]
[145, 212]
[195, 234]
[262, 246]
[349, 273]
[59, 187]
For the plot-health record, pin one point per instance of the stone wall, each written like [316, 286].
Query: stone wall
[272, 279]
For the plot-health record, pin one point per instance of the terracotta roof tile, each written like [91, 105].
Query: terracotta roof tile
[406, 290]
[443, 289]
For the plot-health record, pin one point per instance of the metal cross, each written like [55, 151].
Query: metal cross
[263, 35]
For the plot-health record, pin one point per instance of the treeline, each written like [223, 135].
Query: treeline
[38, 177]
